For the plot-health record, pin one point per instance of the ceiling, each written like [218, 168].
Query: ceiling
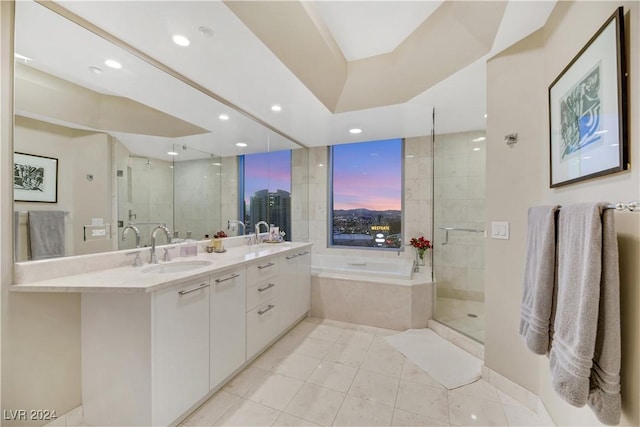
[381, 66]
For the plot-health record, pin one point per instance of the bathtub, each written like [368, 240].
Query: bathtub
[401, 268]
[382, 292]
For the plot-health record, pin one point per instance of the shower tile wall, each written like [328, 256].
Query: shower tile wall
[459, 194]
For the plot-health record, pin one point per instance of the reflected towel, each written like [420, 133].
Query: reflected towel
[587, 281]
[46, 234]
[539, 278]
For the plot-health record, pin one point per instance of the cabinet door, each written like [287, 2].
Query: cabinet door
[228, 324]
[288, 295]
[262, 326]
[180, 342]
[303, 282]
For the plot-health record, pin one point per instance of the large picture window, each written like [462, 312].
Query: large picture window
[265, 186]
[366, 194]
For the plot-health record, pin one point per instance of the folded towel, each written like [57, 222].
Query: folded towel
[604, 393]
[46, 234]
[539, 278]
[578, 294]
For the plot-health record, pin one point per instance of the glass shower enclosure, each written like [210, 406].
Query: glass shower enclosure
[458, 231]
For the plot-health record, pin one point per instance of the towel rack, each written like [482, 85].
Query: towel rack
[633, 206]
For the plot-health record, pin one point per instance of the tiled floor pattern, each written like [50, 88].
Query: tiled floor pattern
[455, 314]
[331, 373]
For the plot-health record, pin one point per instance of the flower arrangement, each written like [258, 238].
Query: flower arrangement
[421, 244]
[220, 234]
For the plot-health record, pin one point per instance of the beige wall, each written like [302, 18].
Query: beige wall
[518, 177]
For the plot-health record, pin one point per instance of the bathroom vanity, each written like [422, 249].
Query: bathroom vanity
[158, 340]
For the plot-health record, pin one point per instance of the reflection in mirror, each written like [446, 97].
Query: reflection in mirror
[117, 127]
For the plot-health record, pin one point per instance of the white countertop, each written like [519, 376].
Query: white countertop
[133, 279]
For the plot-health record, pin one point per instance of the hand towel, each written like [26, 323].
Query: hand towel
[604, 393]
[539, 278]
[46, 234]
[578, 294]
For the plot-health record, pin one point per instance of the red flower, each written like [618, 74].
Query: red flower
[220, 234]
[420, 243]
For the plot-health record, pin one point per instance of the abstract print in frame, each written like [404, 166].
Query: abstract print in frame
[588, 109]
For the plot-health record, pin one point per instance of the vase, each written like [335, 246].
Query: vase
[421, 253]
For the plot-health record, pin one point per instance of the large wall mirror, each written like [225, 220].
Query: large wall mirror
[111, 131]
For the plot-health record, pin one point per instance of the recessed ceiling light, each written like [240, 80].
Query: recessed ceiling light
[172, 153]
[485, 116]
[476, 149]
[22, 57]
[113, 64]
[355, 131]
[223, 117]
[276, 108]
[181, 40]
[95, 70]
[241, 144]
[482, 138]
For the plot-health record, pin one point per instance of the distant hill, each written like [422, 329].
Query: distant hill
[365, 212]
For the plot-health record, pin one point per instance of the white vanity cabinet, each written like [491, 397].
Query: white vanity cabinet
[227, 324]
[145, 356]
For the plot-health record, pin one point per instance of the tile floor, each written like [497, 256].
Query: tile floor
[455, 314]
[331, 373]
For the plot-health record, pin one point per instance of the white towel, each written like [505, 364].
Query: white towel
[539, 278]
[584, 287]
[46, 234]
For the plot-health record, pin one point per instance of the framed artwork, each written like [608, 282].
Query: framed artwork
[35, 178]
[588, 109]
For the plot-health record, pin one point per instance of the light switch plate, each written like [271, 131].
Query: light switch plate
[500, 230]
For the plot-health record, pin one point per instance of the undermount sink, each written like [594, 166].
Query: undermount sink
[176, 266]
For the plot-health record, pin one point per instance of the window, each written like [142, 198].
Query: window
[265, 186]
[366, 194]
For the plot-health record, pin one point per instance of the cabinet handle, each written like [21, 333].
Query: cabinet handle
[197, 288]
[233, 276]
[271, 264]
[292, 256]
[269, 307]
[269, 286]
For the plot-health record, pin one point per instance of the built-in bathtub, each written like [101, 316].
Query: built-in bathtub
[382, 292]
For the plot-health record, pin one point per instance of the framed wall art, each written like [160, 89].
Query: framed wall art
[35, 178]
[588, 109]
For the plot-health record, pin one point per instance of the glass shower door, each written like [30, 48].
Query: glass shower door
[458, 219]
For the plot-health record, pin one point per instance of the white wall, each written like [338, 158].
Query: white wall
[518, 177]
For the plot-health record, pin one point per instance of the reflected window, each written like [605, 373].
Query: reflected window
[265, 187]
[366, 194]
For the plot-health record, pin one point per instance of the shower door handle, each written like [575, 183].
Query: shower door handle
[448, 229]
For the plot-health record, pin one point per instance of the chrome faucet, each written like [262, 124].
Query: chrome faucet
[135, 230]
[236, 222]
[416, 267]
[258, 224]
[154, 258]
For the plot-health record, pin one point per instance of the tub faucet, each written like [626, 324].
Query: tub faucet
[416, 267]
[154, 258]
[135, 230]
[236, 222]
[258, 224]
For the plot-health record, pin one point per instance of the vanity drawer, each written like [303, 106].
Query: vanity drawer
[262, 292]
[261, 270]
[262, 326]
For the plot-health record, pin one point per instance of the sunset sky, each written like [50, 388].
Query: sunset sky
[368, 175]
